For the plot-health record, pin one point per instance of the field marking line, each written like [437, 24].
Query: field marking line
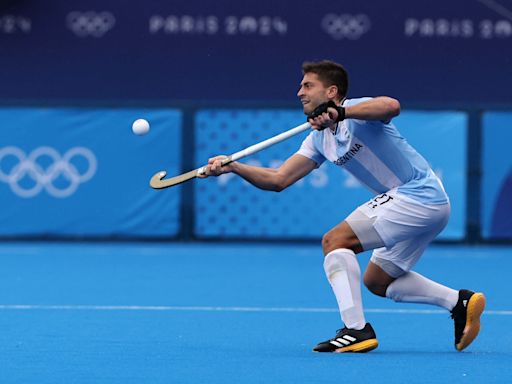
[165, 308]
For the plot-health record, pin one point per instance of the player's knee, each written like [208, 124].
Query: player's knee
[375, 287]
[332, 240]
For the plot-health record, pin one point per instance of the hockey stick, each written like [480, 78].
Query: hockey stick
[158, 181]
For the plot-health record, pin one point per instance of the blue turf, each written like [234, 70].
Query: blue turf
[93, 346]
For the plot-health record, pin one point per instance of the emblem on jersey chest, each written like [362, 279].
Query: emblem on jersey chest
[344, 135]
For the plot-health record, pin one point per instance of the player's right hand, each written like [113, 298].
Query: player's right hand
[325, 120]
[215, 168]
[326, 115]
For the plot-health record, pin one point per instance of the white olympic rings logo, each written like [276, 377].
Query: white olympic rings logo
[90, 23]
[346, 26]
[61, 167]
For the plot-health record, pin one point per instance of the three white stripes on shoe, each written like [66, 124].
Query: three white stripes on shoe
[343, 341]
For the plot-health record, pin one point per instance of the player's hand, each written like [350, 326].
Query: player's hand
[215, 167]
[325, 120]
[326, 115]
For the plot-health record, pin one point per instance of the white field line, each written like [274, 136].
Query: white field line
[225, 309]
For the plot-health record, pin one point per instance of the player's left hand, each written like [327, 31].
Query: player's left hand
[215, 167]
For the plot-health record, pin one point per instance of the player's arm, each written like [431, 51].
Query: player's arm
[293, 169]
[381, 108]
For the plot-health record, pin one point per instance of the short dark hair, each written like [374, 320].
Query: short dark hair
[329, 73]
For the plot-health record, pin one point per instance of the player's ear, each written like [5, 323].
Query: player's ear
[332, 91]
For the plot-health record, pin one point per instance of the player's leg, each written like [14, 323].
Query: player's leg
[388, 273]
[340, 246]
[465, 306]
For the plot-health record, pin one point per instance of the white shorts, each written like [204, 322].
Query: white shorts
[398, 228]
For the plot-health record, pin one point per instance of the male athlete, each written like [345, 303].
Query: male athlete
[409, 210]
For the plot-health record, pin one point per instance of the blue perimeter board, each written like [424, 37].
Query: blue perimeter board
[228, 206]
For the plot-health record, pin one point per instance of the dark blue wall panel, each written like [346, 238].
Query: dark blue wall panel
[418, 51]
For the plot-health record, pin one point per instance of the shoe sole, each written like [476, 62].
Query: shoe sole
[363, 346]
[476, 306]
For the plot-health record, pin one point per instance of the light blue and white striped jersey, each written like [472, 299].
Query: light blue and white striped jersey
[378, 156]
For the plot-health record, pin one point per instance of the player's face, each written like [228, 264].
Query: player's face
[312, 92]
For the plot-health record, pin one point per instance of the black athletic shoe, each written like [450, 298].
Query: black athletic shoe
[350, 340]
[466, 316]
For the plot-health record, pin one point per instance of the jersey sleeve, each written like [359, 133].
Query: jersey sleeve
[308, 149]
[369, 123]
[349, 102]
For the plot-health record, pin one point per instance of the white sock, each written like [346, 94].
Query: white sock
[415, 288]
[342, 271]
